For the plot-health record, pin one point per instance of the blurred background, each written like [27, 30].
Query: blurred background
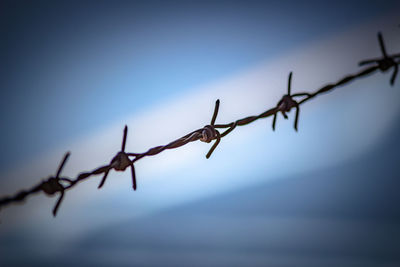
[73, 73]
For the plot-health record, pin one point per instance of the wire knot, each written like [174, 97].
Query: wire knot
[386, 63]
[120, 162]
[208, 134]
[52, 186]
[286, 104]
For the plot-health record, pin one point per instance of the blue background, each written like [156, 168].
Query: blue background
[68, 69]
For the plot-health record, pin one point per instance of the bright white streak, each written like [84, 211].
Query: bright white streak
[339, 125]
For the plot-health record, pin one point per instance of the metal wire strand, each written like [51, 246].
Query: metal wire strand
[123, 160]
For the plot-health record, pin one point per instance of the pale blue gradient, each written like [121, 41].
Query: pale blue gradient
[69, 69]
[77, 73]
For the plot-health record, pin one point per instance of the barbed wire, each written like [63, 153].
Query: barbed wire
[122, 160]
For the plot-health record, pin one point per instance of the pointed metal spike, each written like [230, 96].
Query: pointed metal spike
[273, 122]
[394, 75]
[289, 82]
[297, 117]
[214, 145]
[133, 177]
[382, 44]
[55, 209]
[103, 180]
[216, 108]
[61, 166]
[124, 138]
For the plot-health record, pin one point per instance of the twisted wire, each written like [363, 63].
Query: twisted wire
[123, 160]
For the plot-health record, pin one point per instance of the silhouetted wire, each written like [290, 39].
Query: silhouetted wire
[121, 161]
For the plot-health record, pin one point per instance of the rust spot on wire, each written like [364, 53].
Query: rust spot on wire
[122, 160]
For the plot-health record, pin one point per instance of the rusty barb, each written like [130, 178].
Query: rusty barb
[287, 103]
[122, 160]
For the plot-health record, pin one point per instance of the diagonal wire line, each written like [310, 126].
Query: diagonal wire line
[123, 160]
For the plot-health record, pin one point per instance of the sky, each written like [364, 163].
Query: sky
[73, 74]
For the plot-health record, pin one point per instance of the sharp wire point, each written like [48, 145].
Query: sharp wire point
[394, 75]
[296, 118]
[61, 166]
[60, 198]
[133, 177]
[214, 145]
[124, 138]
[103, 180]
[382, 44]
[216, 108]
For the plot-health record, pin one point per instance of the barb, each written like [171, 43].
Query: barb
[209, 132]
[50, 186]
[286, 104]
[122, 160]
[386, 62]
